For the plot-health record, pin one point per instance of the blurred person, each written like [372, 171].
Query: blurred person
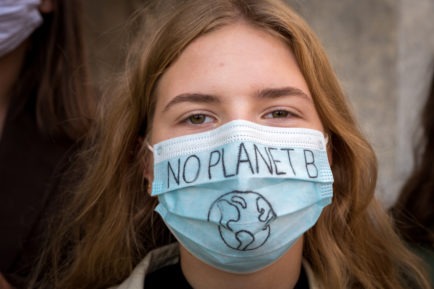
[45, 109]
[228, 158]
[413, 211]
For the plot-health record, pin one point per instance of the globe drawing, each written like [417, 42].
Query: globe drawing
[244, 219]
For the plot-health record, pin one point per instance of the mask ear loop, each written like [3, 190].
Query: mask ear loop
[148, 145]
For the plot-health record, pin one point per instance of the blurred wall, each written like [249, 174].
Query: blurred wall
[107, 36]
[383, 52]
[380, 49]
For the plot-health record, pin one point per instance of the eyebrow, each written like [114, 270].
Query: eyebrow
[192, 97]
[283, 91]
[263, 93]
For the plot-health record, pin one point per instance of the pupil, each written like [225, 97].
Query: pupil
[280, 113]
[197, 118]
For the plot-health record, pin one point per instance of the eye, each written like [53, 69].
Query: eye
[198, 119]
[280, 113]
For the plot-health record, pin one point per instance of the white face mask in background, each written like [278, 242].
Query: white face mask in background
[18, 19]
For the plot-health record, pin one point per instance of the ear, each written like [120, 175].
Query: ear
[47, 6]
[148, 171]
[330, 155]
[147, 160]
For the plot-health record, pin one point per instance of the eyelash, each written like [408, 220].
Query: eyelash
[188, 119]
[287, 114]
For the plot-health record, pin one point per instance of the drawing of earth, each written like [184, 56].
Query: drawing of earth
[243, 219]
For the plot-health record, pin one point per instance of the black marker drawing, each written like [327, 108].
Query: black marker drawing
[243, 218]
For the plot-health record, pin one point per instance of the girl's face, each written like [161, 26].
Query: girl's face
[236, 72]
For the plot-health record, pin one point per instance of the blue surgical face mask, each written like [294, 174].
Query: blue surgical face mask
[239, 196]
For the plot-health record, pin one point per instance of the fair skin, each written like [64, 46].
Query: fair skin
[235, 72]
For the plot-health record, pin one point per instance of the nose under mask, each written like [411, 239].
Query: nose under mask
[239, 196]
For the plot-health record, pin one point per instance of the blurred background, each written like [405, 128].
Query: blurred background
[382, 51]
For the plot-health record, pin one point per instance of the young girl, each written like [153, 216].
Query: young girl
[230, 159]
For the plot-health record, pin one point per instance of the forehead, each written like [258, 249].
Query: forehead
[235, 52]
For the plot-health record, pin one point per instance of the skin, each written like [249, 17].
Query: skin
[236, 72]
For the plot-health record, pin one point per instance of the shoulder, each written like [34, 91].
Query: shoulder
[154, 260]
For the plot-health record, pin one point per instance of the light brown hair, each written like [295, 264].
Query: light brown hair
[110, 224]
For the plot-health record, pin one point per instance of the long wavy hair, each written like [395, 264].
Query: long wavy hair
[54, 77]
[110, 224]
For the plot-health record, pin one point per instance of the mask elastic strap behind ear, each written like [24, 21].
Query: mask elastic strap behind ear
[148, 145]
